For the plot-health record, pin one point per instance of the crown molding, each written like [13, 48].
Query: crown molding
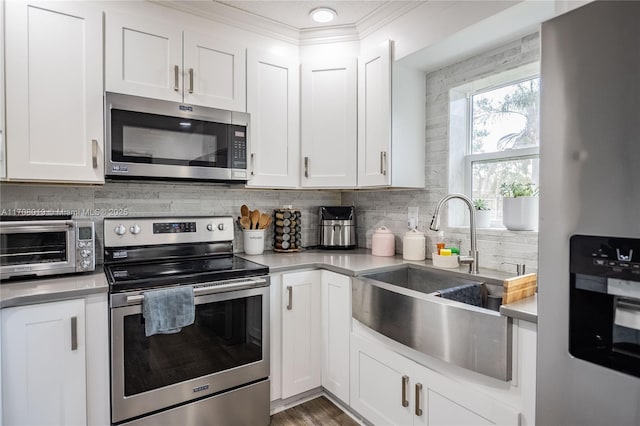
[233, 16]
[382, 16]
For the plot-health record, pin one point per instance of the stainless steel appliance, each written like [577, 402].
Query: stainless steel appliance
[215, 371]
[152, 138]
[45, 245]
[337, 227]
[590, 200]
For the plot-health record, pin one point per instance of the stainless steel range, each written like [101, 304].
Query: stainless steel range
[214, 371]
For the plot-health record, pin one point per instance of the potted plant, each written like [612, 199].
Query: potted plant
[483, 213]
[520, 206]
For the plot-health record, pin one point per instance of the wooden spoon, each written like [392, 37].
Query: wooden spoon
[269, 220]
[244, 210]
[255, 217]
[245, 222]
[262, 222]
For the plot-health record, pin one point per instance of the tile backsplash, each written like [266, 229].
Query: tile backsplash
[132, 198]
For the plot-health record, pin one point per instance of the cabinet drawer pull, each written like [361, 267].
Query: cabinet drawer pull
[94, 153]
[74, 333]
[290, 291]
[405, 383]
[306, 167]
[190, 80]
[176, 81]
[418, 392]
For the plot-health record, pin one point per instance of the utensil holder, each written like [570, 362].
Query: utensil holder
[253, 240]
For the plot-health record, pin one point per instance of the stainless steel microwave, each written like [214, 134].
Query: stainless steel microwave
[150, 138]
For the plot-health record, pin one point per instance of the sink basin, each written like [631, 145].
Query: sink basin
[434, 282]
[404, 304]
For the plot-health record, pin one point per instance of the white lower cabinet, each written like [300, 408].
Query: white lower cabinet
[301, 337]
[43, 364]
[387, 388]
[336, 331]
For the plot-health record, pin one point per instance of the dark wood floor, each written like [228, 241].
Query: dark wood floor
[319, 411]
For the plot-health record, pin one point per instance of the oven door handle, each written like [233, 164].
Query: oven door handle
[211, 289]
[41, 227]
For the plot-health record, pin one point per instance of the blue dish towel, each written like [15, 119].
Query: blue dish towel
[466, 293]
[166, 311]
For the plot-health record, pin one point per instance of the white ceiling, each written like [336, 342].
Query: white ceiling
[295, 13]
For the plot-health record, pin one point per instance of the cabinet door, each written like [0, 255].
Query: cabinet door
[445, 402]
[143, 57]
[214, 73]
[43, 364]
[374, 117]
[381, 384]
[336, 329]
[329, 123]
[3, 149]
[273, 102]
[300, 332]
[54, 91]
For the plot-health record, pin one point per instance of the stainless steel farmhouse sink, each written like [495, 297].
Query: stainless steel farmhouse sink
[404, 304]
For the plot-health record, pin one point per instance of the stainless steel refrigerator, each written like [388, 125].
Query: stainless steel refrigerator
[588, 368]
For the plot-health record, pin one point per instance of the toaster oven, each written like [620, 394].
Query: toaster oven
[32, 246]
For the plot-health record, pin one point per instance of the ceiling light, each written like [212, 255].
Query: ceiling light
[323, 14]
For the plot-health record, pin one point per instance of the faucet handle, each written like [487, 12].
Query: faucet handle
[519, 267]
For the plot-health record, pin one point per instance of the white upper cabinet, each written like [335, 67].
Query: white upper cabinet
[54, 108]
[214, 72]
[273, 93]
[159, 60]
[391, 121]
[374, 117]
[329, 123]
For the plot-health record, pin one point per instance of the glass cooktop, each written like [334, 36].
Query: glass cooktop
[142, 275]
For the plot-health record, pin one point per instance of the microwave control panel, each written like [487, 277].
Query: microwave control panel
[238, 147]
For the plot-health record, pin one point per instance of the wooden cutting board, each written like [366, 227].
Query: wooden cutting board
[519, 288]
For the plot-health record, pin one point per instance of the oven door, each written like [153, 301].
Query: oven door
[152, 138]
[36, 248]
[227, 346]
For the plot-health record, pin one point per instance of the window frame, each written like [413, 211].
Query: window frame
[461, 159]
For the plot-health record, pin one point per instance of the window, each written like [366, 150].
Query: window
[500, 140]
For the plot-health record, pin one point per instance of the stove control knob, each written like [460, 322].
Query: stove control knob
[221, 226]
[85, 253]
[85, 264]
[209, 227]
[120, 229]
[135, 229]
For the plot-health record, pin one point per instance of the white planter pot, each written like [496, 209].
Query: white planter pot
[520, 213]
[483, 218]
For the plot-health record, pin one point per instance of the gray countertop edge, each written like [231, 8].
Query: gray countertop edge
[525, 309]
[54, 296]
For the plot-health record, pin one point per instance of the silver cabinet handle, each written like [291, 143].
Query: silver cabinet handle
[74, 333]
[253, 156]
[384, 163]
[381, 162]
[290, 291]
[176, 73]
[190, 80]
[418, 391]
[94, 152]
[306, 167]
[405, 383]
